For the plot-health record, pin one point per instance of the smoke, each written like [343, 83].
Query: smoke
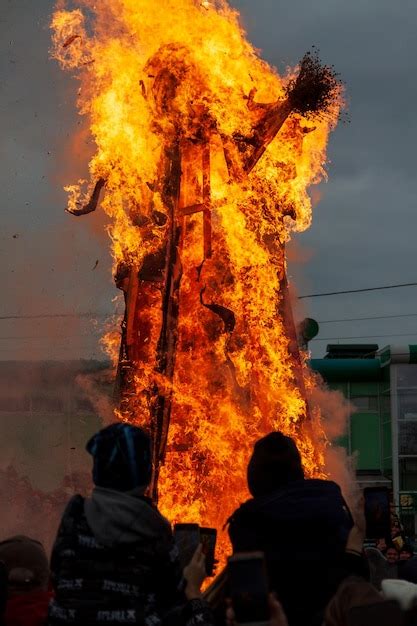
[29, 511]
[336, 411]
[46, 419]
[95, 387]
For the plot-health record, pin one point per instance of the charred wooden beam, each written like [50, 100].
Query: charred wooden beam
[293, 348]
[167, 342]
[93, 202]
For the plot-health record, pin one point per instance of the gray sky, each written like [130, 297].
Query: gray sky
[363, 231]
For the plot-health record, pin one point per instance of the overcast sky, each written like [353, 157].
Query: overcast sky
[363, 232]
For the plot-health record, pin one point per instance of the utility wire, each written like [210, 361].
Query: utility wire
[95, 315]
[50, 337]
[364, 336]
[336, 293]
[52, 315]
[373, 317]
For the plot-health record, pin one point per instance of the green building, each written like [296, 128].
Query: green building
[382, 432]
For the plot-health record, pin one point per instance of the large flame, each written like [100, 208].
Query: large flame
[147, 69]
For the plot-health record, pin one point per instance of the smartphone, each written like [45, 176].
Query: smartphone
[208, 537]
[187, 538]
[377, 512]
[387, 613]
[249, 587]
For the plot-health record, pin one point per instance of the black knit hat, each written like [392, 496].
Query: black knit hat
[275, 462]
[122, 457]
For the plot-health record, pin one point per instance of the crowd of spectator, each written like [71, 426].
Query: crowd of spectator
[115, 560]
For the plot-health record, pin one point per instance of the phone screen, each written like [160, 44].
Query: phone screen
[387, 613]
[187, 538]
[377, 512]
[249, 587]
[208, 538]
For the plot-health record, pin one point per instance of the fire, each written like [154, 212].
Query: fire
[205, 151]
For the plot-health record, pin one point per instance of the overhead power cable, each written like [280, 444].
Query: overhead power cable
[51, 337]
[95, 315]
[337, 293]
[364, 336]
[51, 315]
[372, 317]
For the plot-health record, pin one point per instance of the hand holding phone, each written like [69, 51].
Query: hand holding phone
[249, 588]
[195, 574]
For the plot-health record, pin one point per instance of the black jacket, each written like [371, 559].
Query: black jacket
[115, 562]
[303, 529]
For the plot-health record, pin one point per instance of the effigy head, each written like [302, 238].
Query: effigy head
[175, 88]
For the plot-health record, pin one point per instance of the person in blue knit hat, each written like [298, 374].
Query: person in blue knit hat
[114, 560]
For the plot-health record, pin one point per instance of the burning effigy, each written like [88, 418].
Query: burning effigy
[204, 155]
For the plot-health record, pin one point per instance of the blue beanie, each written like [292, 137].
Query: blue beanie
[122, 457]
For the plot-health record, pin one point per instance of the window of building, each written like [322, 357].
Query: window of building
[408, 474]
[365, 403]
[409, 525]
[407, 405]
[407, 437]
[407, 376]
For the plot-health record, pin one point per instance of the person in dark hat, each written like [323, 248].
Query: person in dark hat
[303, 526]
[27, 574]
[114, 560]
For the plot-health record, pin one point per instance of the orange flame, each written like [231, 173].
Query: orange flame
[228, 388]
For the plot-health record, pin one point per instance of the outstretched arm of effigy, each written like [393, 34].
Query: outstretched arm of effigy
[312, 92]
[92, 203]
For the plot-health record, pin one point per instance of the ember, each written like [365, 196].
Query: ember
[204, 155]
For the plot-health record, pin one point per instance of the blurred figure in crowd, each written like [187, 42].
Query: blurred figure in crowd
[391, 554]
[303, 526]
[27, 569]
[407, 569]
[381, 544]
[380, 568]
[406, 552]
[353, 592]
[114, 560]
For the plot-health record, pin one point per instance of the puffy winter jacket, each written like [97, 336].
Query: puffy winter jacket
[303, 529]
[114, 562]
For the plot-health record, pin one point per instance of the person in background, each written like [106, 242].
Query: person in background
[381, 544]
[398, 538]
[303, 526]
[407, 570]
[406, 552]
[353, 592]
[27, 569]
[380, 568]
[114, 560]
[391, 554]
